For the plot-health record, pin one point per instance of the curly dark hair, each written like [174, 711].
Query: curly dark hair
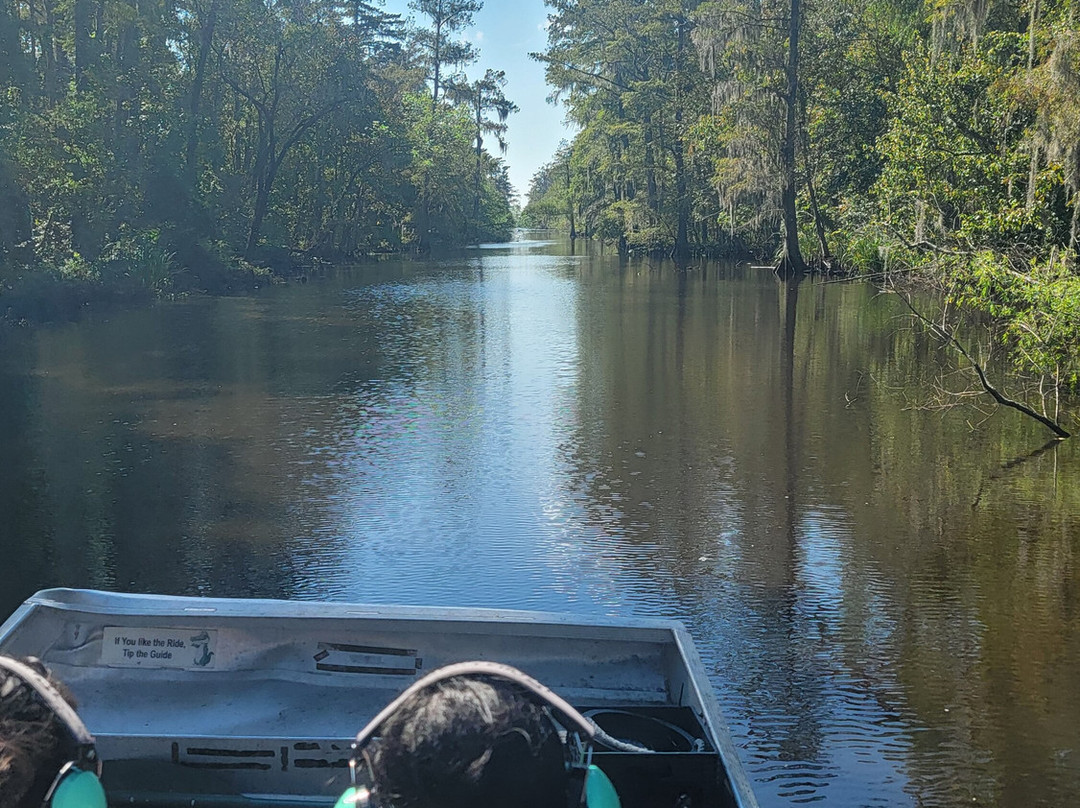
[33, 742]
[468, 742]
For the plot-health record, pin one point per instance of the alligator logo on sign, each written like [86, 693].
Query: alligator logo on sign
[201, 642]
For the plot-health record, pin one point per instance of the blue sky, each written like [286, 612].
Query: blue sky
[506, 31]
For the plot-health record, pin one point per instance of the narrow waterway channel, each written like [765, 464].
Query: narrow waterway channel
[886, 593]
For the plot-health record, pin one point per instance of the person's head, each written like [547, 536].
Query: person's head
[47, 756]
[473, 735]
[469, 742]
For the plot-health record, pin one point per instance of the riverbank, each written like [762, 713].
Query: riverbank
[152, 266]
[139, 269]
[63, 293]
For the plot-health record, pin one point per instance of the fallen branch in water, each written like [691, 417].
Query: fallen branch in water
[1001, 399]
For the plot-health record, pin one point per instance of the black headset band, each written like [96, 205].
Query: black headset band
[80, 735]
[481, 668]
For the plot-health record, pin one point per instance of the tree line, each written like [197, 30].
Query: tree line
[163, 143]
[882, 136]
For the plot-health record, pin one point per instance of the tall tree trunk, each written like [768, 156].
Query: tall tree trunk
[13, 62]
[48, 51]
[437, 65]
[570, 202]
[682, 206]
[128, 67]
[819, 224]
[479, 161]
[1033, 168]
[629, 191]
[262, 205]
[263, 172]
[423, 223]
[1033, 178]
[84, 55]
[206, 39]
[682, 197]
[16, 220]
[651, 193]
[1074, 229]
[811, 189]
[793, 263]
[423, 229]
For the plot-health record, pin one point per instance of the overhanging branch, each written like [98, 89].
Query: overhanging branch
[1001, 399]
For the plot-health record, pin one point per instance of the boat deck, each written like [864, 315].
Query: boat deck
[215, 702]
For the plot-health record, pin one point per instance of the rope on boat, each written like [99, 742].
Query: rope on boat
[615, 744]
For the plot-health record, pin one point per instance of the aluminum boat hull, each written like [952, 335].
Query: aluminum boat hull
[241, 702]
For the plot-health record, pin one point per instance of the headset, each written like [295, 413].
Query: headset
[76, 784]
[597, 790]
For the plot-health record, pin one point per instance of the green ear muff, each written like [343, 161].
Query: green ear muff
[78, 789]
[348, 799]
[73, 787]
[354, 798]
[599, 792]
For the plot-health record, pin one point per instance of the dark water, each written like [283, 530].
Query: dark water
[886, 594]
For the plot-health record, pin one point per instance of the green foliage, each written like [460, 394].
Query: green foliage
[65, 164]
[140, 258]
[133, 135]
[954, 166]
[864, 252]
[976, 183]
[1039, 305]
[77, 268]
[438, 50]
[483, 98]
[629, 77]
[440, 142]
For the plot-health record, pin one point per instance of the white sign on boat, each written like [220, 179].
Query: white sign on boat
[184, 649]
